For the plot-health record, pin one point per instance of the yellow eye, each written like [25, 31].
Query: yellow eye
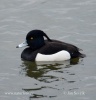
[31, 38]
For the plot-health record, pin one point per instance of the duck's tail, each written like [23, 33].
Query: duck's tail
[82, 55]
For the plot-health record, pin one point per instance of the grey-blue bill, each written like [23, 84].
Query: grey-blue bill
[22, 45]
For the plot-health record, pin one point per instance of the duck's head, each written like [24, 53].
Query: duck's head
[34, 39]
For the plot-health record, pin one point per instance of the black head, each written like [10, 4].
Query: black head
[35, 39]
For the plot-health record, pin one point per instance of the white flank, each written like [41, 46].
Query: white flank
[59, 56]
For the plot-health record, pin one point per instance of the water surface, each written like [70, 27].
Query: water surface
[72, 21]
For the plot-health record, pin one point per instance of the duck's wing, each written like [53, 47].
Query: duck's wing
[56, 46]
[67, 44]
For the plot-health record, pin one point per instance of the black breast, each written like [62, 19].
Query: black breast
[29, 54]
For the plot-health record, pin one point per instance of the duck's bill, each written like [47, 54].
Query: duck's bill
[22, 45]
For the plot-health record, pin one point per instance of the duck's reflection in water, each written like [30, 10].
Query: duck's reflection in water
[39, 69]
[46, 72]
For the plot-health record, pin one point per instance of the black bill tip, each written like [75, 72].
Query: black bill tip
[17, 46]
